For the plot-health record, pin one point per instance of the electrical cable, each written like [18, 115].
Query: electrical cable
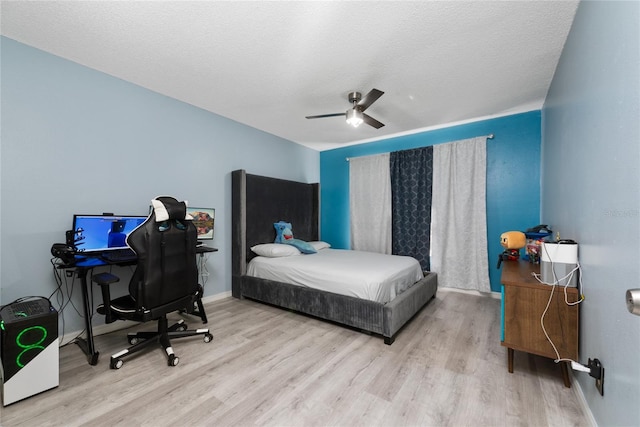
[553, 285]
[64, 284]
[70, 289]
[58, 292]
[69, 286]
[202, 267]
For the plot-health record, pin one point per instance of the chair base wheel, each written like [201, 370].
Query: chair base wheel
[142, 340]
[116, 363]
[173, 360]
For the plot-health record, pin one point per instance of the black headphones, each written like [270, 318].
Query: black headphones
[65, 252]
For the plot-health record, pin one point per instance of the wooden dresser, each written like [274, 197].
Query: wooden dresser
[524, 300]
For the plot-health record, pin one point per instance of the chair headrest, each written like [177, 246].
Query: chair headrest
[165, 208]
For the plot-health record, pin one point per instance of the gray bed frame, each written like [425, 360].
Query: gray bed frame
[258, 202]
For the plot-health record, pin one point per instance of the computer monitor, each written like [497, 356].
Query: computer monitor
[99, 233]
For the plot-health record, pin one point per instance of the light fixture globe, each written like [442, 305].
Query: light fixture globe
[354, 117]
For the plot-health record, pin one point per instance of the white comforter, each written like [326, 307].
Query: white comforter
[366, 275]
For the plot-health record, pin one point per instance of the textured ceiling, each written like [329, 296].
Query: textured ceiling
[270, 64]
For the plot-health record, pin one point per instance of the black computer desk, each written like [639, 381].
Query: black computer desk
[83, 266]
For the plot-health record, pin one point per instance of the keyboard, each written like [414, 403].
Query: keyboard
[119, 256]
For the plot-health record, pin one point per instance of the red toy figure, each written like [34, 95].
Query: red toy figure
[512, 242]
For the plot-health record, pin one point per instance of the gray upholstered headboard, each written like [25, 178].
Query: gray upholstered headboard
[259, 201]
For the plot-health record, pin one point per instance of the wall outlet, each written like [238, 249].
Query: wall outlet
[600, 383]
[597, 372]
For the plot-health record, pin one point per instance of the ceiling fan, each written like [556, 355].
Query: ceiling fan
[355, 115]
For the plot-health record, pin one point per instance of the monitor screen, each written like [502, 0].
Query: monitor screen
[99, 233]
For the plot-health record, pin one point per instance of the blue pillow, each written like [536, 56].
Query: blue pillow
[285, 235]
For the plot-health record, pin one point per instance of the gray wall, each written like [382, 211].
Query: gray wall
[75, 140]
[591, 191]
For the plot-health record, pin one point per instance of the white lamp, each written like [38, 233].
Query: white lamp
[354, 117]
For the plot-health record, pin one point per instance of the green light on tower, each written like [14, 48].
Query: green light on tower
[27, 347]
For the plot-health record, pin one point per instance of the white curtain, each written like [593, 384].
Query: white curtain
[370, 203]
[458, 215]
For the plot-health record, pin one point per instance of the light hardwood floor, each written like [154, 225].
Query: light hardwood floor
[267, 366]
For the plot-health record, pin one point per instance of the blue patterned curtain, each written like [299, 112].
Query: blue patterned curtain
[411, 181]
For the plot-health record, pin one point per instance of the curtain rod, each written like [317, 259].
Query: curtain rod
[490, 136]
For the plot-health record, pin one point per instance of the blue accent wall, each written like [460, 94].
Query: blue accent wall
[513, 177]
[591, 192]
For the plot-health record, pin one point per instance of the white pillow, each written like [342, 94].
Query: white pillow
[273, 250]
[319, 245]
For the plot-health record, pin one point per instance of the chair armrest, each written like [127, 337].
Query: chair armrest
[104, 280]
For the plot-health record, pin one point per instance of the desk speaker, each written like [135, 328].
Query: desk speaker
[28, 349]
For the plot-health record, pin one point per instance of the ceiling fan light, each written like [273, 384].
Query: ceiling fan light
[354, 117]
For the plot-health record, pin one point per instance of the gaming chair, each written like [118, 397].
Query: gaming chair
[165, 280]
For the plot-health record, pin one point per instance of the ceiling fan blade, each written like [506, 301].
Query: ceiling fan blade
[371, 121]
[369, 99]
[326, 115]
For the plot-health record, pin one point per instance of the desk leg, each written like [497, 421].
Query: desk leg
[87, 345]
[510, 359]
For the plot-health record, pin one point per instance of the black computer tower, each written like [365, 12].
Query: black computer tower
[28, 349]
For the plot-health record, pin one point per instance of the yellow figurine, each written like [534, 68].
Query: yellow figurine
[513, 240]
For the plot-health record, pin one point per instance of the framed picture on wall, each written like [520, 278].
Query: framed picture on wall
[203, 219]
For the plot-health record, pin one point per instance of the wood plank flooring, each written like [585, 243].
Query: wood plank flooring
[270, 367]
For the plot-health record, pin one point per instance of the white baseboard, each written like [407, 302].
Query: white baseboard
[216, 297]
[495, 295]
[583, 401]
[124, 324]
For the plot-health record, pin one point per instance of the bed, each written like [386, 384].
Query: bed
[258, 202]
